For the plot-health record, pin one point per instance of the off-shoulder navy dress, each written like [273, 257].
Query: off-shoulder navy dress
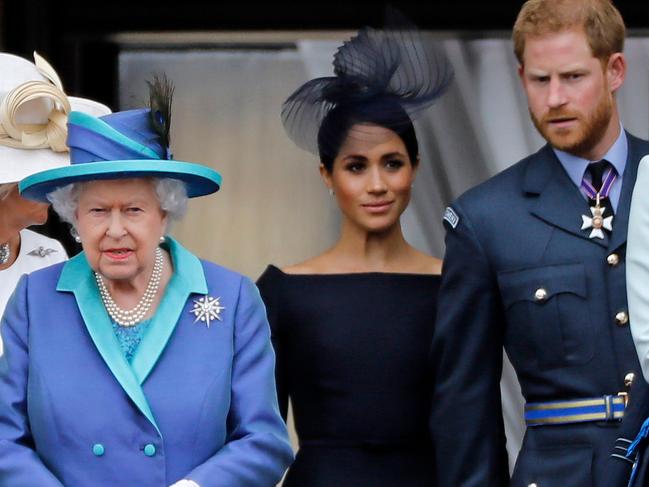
[353, 356]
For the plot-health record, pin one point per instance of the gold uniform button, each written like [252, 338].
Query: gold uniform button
[628, 379]
[613, 260]
[622, 318]
[540, 294]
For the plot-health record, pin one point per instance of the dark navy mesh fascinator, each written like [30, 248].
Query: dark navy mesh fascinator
[385, 77]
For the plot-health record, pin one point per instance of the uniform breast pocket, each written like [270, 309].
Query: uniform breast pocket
[548, 314]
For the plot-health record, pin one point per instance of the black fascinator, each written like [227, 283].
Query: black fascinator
[386, 77]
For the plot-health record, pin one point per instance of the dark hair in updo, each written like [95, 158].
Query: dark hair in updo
[383, 112]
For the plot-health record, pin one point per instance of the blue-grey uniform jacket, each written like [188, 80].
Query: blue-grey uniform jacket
[520, 273]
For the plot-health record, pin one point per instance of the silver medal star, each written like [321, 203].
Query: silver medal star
[597, 221]
[207, 309]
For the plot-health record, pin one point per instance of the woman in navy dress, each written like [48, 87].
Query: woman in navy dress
[351, 327]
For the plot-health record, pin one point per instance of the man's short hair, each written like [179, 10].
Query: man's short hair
[599, 19]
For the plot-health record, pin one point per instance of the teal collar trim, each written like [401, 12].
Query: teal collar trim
[102, 128]
[77, 277]
[188, 278]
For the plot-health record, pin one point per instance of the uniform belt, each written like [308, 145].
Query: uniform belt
[605, 408]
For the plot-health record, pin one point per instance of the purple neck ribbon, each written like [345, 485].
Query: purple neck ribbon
[609, 178]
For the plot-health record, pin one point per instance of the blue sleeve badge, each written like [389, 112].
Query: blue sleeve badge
[451, 217]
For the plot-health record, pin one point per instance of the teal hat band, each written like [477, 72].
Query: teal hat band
[92, 139]
[117, 146]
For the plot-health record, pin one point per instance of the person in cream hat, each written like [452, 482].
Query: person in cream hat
[33, 116]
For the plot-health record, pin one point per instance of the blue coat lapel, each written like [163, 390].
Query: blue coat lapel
[188, 277]
[621, 221]
[77, 277]
[559, 202]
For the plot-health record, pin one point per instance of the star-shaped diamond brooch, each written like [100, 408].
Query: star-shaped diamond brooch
[207, 309]
[597, 221]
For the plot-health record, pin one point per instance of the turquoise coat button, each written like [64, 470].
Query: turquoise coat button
[149, 450]
[98, 450]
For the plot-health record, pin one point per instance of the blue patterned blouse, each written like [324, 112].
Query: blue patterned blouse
[129, 337]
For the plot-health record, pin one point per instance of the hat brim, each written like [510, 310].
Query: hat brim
[199, 180]
[16, 164]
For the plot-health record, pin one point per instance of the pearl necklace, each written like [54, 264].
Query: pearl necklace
[133, 316]
[5, 253]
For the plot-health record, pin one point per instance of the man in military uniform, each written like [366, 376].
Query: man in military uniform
[630, 458]
[535, 263]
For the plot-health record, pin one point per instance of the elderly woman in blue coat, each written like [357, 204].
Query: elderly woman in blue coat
[135, 363]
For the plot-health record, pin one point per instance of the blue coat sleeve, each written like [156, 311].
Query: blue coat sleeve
[19, 462]
[466, 420]
[258, 450]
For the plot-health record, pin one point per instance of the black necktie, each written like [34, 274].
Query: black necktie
[596, 171]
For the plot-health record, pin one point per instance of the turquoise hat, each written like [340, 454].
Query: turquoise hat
[126, 144]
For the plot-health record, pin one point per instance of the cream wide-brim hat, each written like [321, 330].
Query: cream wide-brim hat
[18, 163]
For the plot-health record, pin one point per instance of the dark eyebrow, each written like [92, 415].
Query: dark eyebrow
[357, 157]
[393, 154]
[574, 71]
